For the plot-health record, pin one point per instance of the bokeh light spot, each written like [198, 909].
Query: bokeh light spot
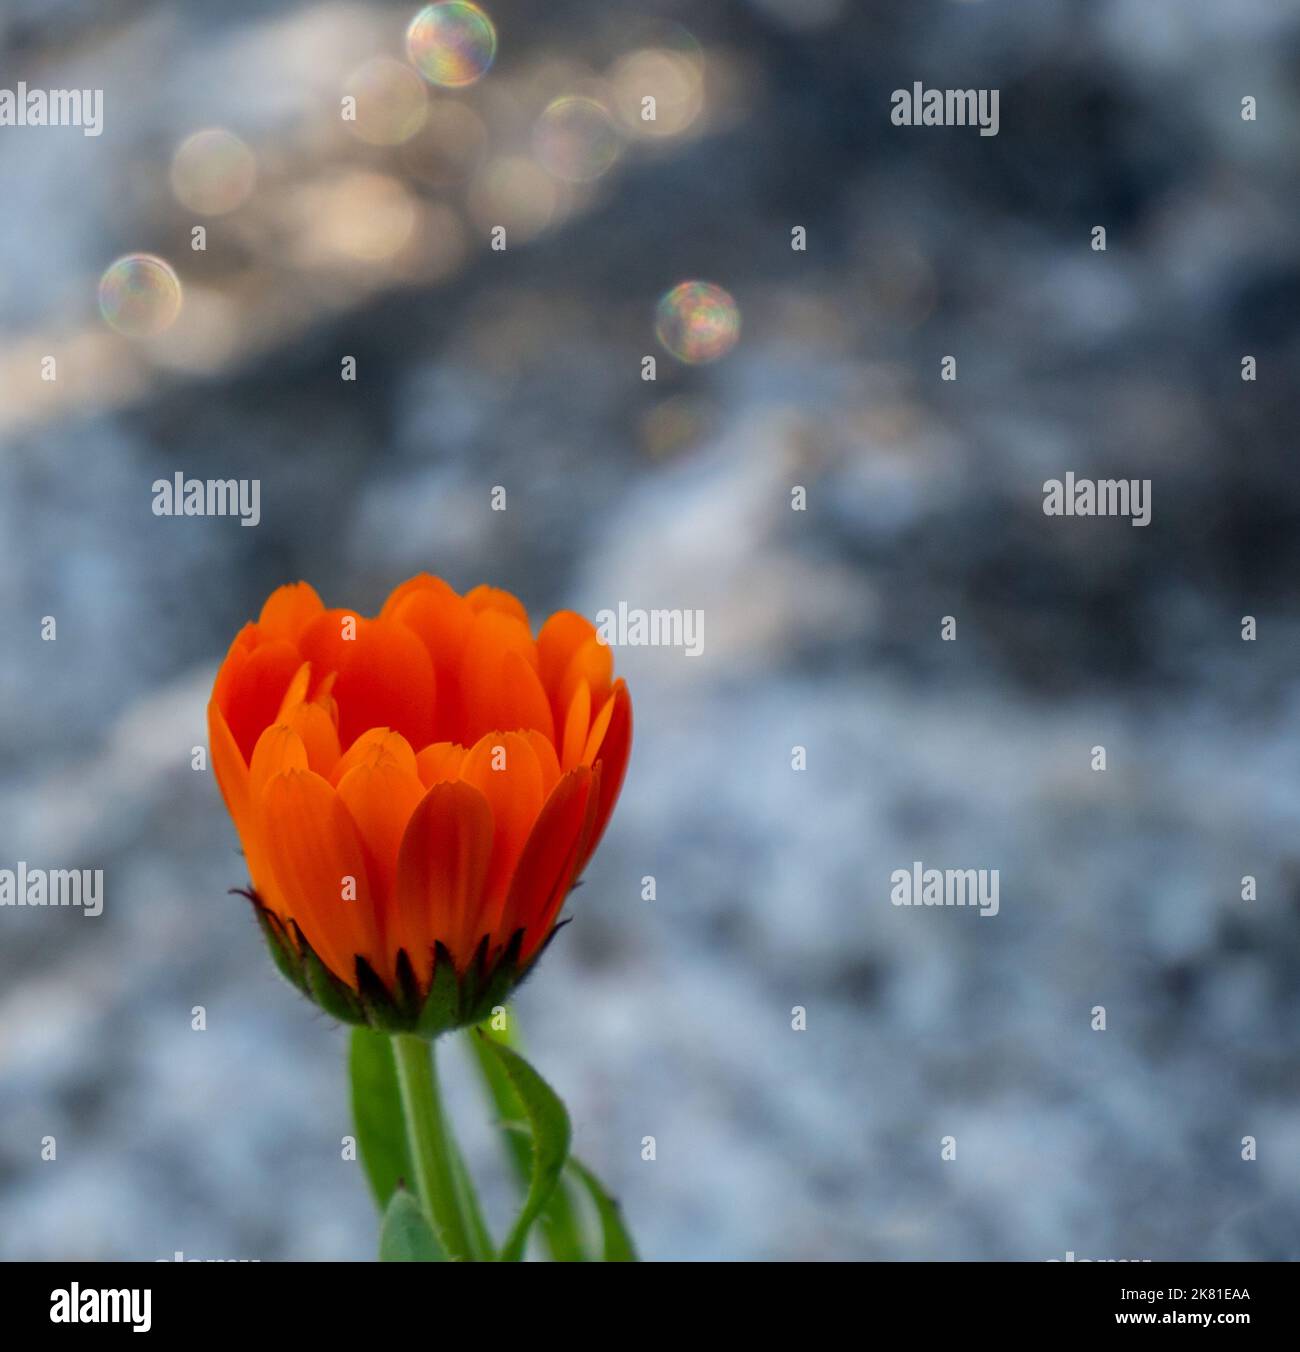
[698, 322]
[357, 214]
[658, 92]
[392, 101]
[140, 295]
[450, 146]
[451, 44]
[515, 193]
[213, 172]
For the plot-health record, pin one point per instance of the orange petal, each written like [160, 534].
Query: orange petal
[577, 722]
[546, 758]
[494, 598]
[314, 725]
[504, 767]
[559, 639]
[323, 642]
[229, 766]
[236, 655]
[499, 678]
[441, 867]
[493, 633]
[593, 663]
[232, 777]
[296, 693]
[439, 761]
[381, 796]
[611, 759]
[441, 620]
[385, 677]
[255, 691]
[420, 582]
[321, 871]
[548, 864]
[599, 731]
[279, 748]
[289, 610]
[374, 745]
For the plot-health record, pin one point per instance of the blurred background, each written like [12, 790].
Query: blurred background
[328, 238]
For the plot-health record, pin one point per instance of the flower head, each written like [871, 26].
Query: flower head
[415, 793]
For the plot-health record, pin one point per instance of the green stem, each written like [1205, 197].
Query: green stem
[431, 1144]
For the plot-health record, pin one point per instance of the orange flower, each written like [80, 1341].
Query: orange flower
[415, 793]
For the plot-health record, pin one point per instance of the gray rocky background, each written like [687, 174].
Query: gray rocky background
[672, 1018]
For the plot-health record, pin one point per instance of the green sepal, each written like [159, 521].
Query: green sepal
[332, 995]
[405, 1235]
[407, 993]
[382, 1010]
[451, 1000]
[441, 1009]
[283, 953]
[475, 977]
[489, 986]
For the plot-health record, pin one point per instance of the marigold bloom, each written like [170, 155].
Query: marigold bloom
[415, 793]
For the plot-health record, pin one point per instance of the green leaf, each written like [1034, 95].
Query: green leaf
[377, 1111]
[405, 1235]
[551, 1133]
[560, 1226]
[618, 1243]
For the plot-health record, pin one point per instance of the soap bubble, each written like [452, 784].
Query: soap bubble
[452, 43]
[697, 322]
[140, 295]
[575, 139]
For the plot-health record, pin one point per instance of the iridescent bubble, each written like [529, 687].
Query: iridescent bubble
[213, 172]
[451, 44]
[140, 295]
[391, 99]
[697, 322]
[575, 139]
